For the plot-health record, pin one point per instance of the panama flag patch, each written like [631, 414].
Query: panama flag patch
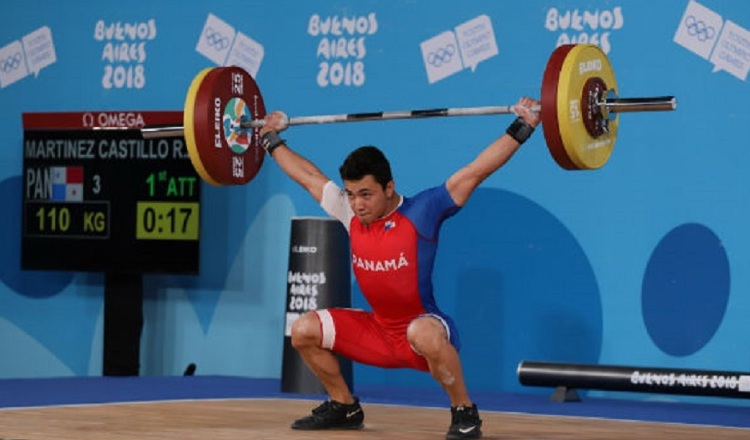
[67, 183]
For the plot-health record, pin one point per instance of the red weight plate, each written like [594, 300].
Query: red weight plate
[550, 118]
[230, 154]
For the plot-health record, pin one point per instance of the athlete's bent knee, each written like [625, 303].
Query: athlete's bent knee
[306, 331]
[427, 335]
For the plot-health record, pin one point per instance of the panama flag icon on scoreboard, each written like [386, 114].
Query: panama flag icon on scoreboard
[67, 183]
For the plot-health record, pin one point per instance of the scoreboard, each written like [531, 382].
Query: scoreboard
[99, 197]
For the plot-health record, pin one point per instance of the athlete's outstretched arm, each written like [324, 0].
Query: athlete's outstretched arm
[300, 169]
[463, 183]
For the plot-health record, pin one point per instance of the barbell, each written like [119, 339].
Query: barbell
[579, 110]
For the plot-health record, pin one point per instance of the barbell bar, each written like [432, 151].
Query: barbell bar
[611, 105]
[579, 109]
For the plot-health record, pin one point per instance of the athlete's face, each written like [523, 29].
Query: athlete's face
[368, 199]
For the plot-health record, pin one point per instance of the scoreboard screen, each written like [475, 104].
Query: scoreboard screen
[98, 197]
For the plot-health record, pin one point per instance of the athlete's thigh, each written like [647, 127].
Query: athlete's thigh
[356, 335]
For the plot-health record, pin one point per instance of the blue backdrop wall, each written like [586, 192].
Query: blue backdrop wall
[642, 262]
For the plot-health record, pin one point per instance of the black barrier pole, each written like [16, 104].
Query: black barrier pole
[319, 277]
[636, 379]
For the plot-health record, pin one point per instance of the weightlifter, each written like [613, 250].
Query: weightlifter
[393, 242]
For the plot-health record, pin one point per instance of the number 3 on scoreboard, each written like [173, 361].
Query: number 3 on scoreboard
[167, 221]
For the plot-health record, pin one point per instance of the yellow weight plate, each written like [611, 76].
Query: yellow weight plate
[582, 63]
[188, 122]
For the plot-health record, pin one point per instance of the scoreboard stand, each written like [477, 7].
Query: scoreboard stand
[123, 323]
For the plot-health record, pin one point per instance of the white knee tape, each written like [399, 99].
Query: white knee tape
[327, 329]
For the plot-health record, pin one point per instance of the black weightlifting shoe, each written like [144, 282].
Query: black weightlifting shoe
[333, 415]
[465, 423]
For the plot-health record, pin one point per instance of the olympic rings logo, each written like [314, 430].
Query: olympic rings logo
[699, 29]
[12, 62]
[444, 55]
[216, 39]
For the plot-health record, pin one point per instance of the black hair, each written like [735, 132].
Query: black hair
[364, 161]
